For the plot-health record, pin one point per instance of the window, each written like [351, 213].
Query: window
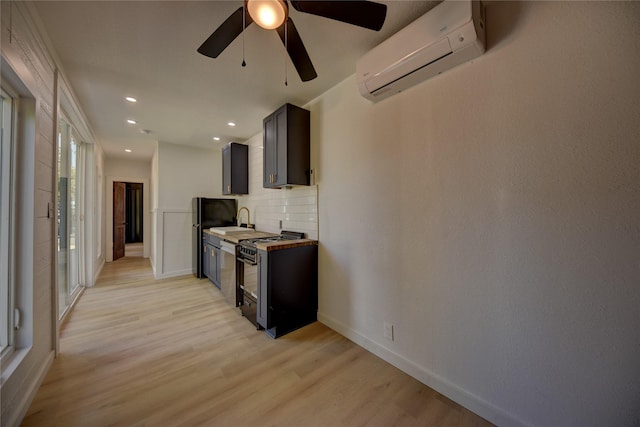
[17, 219]
[70, 203]
[6, 207]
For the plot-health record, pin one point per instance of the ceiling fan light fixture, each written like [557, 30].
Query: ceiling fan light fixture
[269, 14]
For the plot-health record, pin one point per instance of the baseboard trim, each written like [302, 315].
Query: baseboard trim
[97, 273]
[443, 386]
[25, 402]
[153, 266]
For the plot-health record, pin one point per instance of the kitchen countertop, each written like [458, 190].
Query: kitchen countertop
[237, 236]
[285, 244]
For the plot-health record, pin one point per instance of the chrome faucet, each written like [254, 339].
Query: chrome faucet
[248, 216]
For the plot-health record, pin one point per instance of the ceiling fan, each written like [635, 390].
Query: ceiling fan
[274, 14]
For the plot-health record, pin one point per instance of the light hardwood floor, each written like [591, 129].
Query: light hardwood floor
[133, 249]
[143, 352]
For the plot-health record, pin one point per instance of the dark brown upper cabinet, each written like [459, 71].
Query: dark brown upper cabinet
[235, 169]
[286, 143]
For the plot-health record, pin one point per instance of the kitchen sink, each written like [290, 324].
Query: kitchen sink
[232, 229]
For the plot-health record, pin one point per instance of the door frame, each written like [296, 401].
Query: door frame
[108, 224]
[119, 218]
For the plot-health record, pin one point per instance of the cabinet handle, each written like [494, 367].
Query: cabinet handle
[228, 188]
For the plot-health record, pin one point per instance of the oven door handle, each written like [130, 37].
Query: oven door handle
[246, 261]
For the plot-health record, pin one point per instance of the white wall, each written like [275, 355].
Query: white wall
[154, 208]
[126, 170]
[492, 215]
[118, 166]
[99, 209]
[182, 174]
[187, 172]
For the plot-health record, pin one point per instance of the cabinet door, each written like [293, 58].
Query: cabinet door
[286, 145]
[269, 151]
[213, 266]
[235, 169]
[226, 170]
[218, 267]
[205, 260]
[280, 147]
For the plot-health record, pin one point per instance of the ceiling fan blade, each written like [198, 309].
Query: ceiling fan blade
[367, 14]
[297, 51]
[225, 34]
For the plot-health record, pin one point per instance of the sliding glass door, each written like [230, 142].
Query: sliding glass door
[69, 216]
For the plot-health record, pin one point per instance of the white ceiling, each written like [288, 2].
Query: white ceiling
[147, 49]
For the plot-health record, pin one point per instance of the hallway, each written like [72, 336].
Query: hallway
[146, 352]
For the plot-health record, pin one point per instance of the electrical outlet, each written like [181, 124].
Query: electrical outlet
[388, 331]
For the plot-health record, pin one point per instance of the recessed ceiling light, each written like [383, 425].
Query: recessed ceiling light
[216, 138]
[231, 124]
[131, 99]
[132, 122]
[127, 150]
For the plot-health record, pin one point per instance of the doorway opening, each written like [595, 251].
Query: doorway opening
[127, 219]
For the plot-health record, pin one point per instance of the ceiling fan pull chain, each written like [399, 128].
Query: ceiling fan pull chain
[286, 49]
[244, 26]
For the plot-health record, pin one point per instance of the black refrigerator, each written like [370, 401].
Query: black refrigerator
[209, 213]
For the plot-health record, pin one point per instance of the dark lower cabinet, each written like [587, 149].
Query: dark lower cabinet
[211, 259]
[214, 267]
[206, 256]
[287, 289]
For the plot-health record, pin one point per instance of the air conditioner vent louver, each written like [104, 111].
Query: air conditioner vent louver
[381, 90]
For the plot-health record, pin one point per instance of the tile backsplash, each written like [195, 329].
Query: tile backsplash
[273, 210]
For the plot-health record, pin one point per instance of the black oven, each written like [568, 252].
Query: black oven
[247, 287]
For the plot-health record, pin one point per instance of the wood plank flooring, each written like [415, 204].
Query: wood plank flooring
[133, 249]
[143, 352]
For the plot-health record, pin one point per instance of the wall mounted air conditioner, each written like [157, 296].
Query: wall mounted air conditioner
[451, 33]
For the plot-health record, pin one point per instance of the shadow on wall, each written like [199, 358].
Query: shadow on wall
[502, 21]
[335, 272]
